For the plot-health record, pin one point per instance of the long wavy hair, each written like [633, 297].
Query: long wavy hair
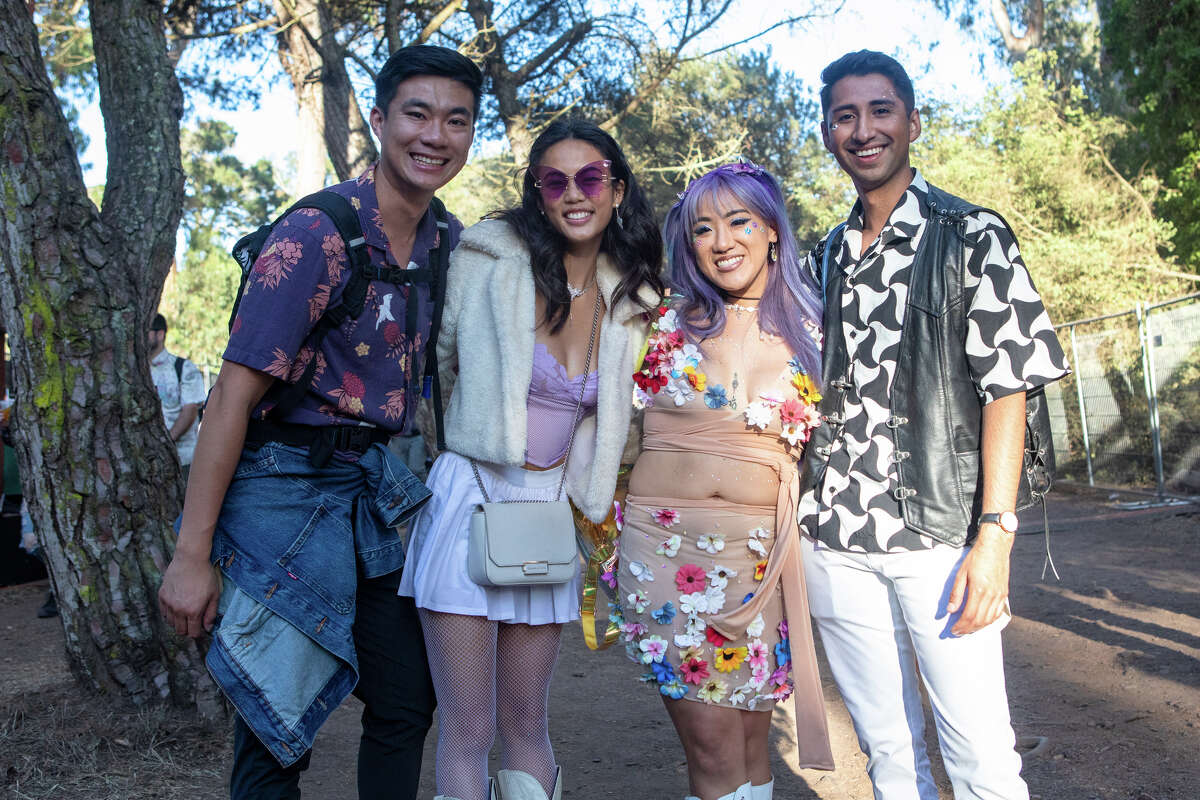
[791, 297]
[635, 245]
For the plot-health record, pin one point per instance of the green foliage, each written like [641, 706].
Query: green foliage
[1156, 47]
[1088, 234]
[224, 198]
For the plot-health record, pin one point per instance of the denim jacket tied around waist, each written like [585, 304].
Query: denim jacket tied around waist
[291, 541]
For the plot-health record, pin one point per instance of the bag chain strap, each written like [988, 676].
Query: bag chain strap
[578, 412]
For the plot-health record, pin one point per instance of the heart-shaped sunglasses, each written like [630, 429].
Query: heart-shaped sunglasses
[589, 179]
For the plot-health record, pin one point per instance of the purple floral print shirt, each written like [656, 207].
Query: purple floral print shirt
[367, 370]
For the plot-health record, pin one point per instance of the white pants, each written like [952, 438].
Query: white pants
[880, 616]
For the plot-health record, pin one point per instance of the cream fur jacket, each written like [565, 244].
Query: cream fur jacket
[488, 330]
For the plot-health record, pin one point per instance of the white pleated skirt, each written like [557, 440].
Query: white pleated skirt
[435, 567]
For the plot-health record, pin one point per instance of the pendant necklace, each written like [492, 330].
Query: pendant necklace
[575, 293]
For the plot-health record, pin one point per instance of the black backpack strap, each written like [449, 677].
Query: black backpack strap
[432, 384]
[345, 219]
[179, 370]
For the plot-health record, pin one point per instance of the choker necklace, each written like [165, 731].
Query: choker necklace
[739, 308]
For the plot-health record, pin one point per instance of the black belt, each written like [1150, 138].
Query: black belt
[321, 440]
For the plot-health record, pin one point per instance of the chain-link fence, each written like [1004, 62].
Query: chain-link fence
[1129, 414]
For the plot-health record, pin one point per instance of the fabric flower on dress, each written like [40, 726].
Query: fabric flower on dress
[639, 601]
[632, 630]
[783, 628]
[756, 654]
[694, 671]
[783, 653]
[711, 543]
[791, 411]
[674, 689]
[716, 639]
[756, 547]
[759, 675]
[727, 659]
[618, 515]
[663, 671]
[694, 603]
[718, 576]
[741, 693]
[760, 569]
[793, 434]
[616, 613]
[640, 571]
[690, 578]
[759, 533]
[666, 517]
[758, 415]
[664, 614]
[714, 396]
[642, 398]
[670, 547]
[653, 648]
[806, 390]
[609, 578]
[794, 365]
[684, 357]
[715, 598]
[687, 654]
[669, 321]
[713, 691]
[688, 640]
[779, 678]
[696, 379]
[680, 391]
[755, 628]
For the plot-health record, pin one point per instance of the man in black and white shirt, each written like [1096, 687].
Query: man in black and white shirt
[911, 482]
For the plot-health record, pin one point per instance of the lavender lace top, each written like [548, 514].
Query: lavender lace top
[550, 409]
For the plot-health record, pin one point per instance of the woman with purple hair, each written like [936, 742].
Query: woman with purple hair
[711, 584]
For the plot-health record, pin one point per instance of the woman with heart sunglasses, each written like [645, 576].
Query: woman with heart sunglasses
[545, 313]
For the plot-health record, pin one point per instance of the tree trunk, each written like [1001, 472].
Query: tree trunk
[77, 288]
[1035, 27]
[316, 64]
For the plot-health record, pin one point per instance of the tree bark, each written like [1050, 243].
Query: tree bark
[77, 288]
[316, 64]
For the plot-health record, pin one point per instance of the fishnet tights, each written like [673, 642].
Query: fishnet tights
[490, 677]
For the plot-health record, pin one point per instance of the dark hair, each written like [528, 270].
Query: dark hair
[426, 59]
[790, 304]
[867, 62]
[635, 245]
[159, 323]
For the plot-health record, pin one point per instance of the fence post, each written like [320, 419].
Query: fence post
[1087, 445]
[1152, 397]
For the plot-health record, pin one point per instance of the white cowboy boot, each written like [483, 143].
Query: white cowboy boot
[513, 784]
[743, 792]
[763, 791]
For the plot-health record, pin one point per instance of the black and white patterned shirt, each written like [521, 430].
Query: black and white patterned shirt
[1010, 347]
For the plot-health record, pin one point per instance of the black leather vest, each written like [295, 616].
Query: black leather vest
[936, 413]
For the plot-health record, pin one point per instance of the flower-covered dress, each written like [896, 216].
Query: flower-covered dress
[712, 592]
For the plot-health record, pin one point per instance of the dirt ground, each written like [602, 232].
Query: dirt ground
[1103, 674]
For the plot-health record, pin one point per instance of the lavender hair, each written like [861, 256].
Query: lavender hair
[791, 296]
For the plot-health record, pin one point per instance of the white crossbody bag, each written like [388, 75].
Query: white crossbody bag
[527, 543]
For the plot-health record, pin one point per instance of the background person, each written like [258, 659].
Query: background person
[181, 392]
[710, 578]
[527, 290]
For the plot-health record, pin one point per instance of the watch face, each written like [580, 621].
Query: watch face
[1008, 521]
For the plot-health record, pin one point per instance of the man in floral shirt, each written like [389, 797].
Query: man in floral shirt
[927, 363]
[298, 509]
